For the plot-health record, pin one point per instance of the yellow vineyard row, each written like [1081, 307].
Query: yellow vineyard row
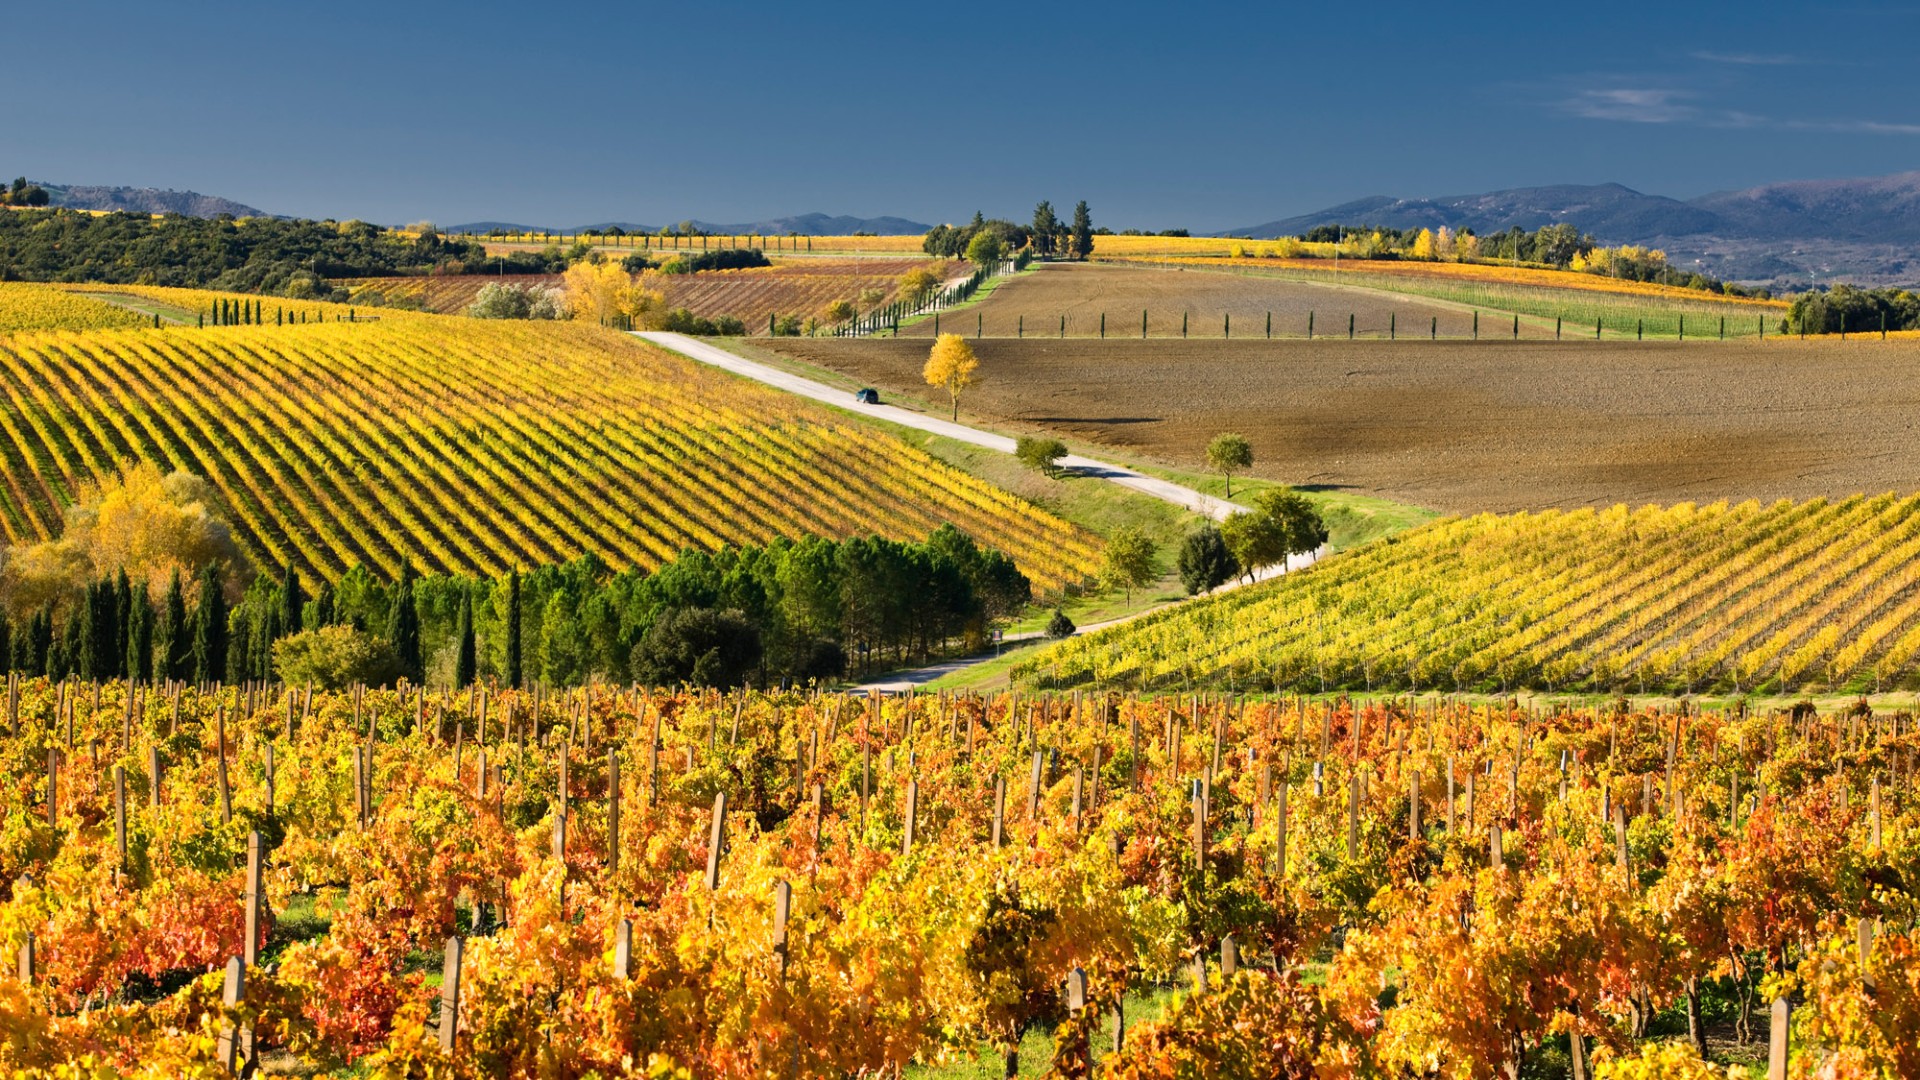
[470, 446]
[1783, 597]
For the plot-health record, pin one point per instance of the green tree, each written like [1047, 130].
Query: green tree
[513, 666]
[173, 645]
[1229, 453]
[1082, 231]
[85, 655]
[1255, 540]
[1045, 226]
[139, 664]
[403, 628]
[986, 250]
[122, 623]
[466, 659]
[293, 602]
[1060, 626]
[1039, 454]
[698, 647]
[1299, 520]
[1205, 562]
[210, 628]
[1128, 561]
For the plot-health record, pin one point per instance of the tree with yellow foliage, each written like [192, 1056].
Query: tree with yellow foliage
[1422, 245]
[605, 293]
[953, 367]
[146, 524]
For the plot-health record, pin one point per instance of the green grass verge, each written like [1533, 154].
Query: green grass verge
[1036, 1047]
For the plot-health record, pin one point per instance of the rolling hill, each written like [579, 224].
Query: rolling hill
[1862, 230]
[146, 200]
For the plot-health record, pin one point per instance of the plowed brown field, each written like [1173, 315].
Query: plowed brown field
[1464, 427]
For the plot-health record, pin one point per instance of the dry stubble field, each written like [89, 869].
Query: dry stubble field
[1463, 427]
[1082, 292]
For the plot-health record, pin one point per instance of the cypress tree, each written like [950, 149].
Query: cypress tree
[210, 629]
[403, 627]
[292, 600]
[241, 627]
[265, 634]
[122, 623]
[139, 665]
[323, 609]
[41, 642]
[466, 664]
[172, 642]
[513, 628]
[83, 633]
[60, 657]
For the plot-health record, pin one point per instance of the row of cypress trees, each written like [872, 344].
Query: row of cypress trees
[115, 631]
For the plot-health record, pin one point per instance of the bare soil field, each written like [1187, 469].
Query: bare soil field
[1459, 426]
[1033, 304]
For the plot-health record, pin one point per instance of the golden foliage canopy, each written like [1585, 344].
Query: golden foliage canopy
[141, 521]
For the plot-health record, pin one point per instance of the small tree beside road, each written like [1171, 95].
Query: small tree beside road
[1229, 453]
[1040, 454]
[952, 367]
[1128, 561]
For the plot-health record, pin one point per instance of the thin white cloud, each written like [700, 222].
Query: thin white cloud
[1748, 59]
[1669, 105]
[1634, 105]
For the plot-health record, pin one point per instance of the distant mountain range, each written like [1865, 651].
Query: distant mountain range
[1865, 231]
[145, 200]
[800, 224]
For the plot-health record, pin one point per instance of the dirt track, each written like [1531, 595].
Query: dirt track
[1033, 304]
[1462, 427]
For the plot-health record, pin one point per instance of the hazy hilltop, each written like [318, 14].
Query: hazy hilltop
[145, 200]
[1792, 232]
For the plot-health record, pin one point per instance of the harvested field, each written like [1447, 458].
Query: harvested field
[1033, 304]
[1464, 427]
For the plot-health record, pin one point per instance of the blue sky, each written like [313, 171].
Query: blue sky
[1202, 115]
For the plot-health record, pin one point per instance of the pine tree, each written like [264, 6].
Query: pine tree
[139, 665]
[173, 642]
[210, 629]
[466, 666]
[1082, 231]
[513, 629]
[403, 627]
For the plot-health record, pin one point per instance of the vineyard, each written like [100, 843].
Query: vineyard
[466, 446]
[1781, 598]
[802, 287]
[875, 245]
[47, 307]
[508, 883]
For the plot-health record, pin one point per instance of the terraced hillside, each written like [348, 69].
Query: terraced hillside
[1786, 597]
[470, 446]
